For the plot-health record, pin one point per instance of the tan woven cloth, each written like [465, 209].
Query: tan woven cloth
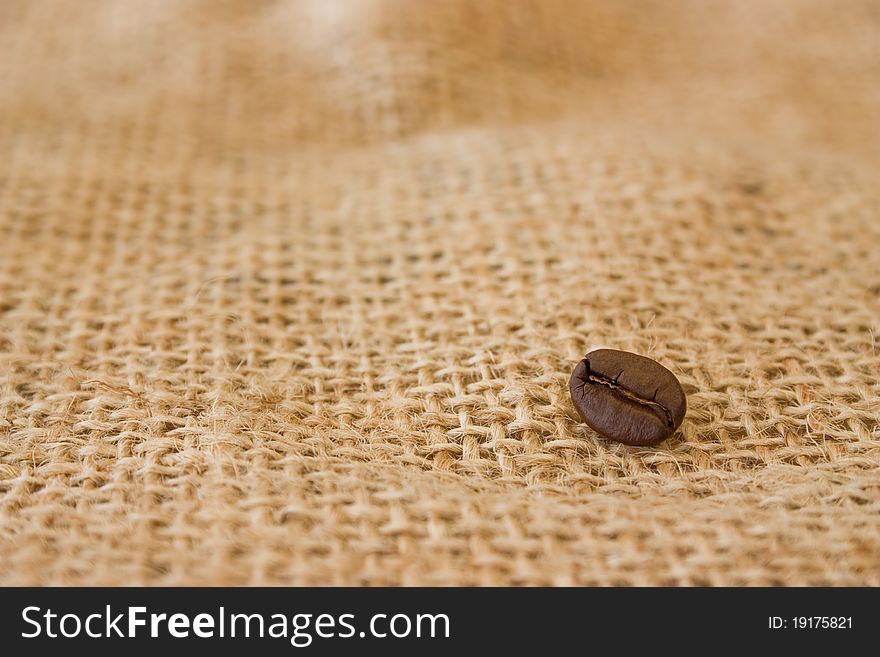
[290, 292]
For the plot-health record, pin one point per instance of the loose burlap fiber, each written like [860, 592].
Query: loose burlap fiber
[290, 292]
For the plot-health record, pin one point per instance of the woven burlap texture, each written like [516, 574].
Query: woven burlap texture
[290, 292]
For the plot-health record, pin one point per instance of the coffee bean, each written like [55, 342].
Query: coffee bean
[627, 397]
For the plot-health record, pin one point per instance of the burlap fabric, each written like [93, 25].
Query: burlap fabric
[290, 292]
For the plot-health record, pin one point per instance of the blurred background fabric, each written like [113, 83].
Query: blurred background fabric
[290, 292]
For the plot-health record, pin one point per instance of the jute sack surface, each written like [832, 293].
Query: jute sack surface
[290, 292]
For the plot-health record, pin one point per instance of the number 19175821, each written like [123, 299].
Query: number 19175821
[810, 623]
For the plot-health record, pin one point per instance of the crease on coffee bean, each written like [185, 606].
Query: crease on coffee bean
[624, 392]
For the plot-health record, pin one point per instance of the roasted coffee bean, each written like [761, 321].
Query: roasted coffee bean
[627, 397]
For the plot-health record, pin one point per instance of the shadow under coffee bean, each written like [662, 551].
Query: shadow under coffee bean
[627, 397]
